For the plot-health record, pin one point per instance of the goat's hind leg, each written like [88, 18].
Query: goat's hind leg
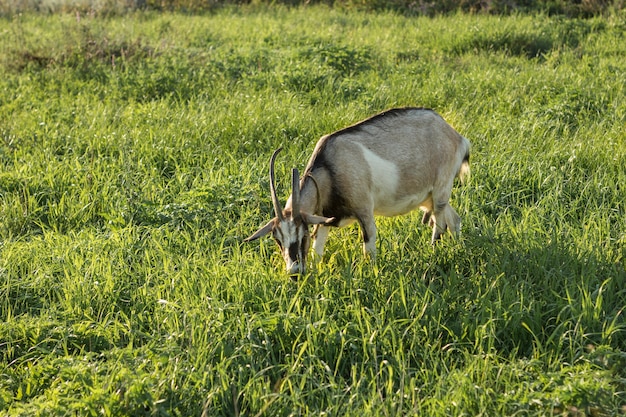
[427, 218]
[445, 218]
[427, 208]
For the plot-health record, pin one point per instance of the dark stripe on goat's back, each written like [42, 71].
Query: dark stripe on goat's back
[375, 118]
[319, 158]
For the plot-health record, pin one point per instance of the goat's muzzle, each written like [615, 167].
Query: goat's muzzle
[295, 268]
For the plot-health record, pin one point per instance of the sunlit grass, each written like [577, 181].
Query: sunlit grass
[134, 160]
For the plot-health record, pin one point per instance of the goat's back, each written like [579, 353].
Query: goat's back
[416, 140]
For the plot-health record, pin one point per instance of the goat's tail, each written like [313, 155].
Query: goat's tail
[464, 170]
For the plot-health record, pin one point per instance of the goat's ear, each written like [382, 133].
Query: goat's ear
[313, 219]
[263, 230]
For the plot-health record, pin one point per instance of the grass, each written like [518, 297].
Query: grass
[134, 160]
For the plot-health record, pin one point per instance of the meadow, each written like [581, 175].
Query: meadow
[134, 153]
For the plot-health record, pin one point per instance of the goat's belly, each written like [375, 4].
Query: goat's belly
[394, 207]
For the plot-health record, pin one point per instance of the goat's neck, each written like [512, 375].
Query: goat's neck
[312, 193]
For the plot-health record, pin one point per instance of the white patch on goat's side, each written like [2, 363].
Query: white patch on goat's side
[385, 179]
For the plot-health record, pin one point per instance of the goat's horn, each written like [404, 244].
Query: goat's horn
[295, 193]
[277, 208]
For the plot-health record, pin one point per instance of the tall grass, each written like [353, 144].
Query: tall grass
[133, 161]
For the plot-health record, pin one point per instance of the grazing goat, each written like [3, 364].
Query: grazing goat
[388, 165]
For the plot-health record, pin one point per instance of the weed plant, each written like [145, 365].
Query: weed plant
[133, 160]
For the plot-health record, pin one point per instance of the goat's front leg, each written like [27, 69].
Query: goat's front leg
[368, 227]
[320, 235]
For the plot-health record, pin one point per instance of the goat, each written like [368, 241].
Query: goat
[388, 164]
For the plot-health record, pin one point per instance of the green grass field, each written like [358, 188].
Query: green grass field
[133, 161]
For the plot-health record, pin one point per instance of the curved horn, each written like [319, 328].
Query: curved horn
[277, 208]
[295, 193]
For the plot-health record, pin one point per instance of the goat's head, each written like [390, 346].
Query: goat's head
[290, 226]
